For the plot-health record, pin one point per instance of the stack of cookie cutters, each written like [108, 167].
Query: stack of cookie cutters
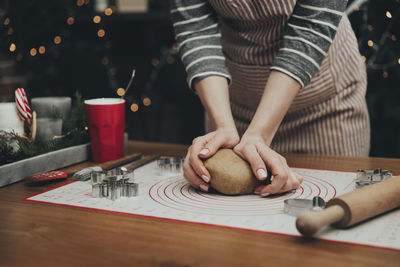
[113, 184]
[367, 177]
[169, 165]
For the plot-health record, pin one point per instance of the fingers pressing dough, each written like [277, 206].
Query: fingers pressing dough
[230, 174]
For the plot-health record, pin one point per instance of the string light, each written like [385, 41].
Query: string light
[42, 49]
[155, 62]
[13, 47]
[113, 71]
[33, 52]
[19, 57]
[105, 61]
[10, 31]
[108, 11]
[101, 33]
[96, 19]
[70, 20]
[398, 61]
[57, 40]
[381, 44]
[170, 60]
[363, 58]
[355, 6]
[134, 107]
[121, 91]
[146, 101]
[6, 21]
[80, 2]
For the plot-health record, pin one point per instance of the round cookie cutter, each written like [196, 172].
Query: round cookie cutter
[294, 206]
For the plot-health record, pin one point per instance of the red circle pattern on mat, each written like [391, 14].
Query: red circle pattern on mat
[177, 194]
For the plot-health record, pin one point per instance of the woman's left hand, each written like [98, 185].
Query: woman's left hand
[254, 149]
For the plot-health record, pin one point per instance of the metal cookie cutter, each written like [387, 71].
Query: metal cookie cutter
[170, 165]
[113, 184]
[367, 177]
[296, 206]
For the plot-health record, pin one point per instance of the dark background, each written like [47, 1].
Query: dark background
[97, 66]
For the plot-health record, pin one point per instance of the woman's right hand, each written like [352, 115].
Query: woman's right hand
[214, 95]
[204, 147]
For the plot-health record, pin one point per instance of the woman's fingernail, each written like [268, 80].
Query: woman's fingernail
[261, 173]
[265, 194]
[204, 187]
[204, 151]
[205, 178]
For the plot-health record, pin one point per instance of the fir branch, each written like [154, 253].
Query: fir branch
[76, 118]
[75, 134]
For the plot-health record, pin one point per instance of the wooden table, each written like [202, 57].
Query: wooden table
[33, 234]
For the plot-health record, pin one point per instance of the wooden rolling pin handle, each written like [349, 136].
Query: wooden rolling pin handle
[141, 162]
[311, 222]
[121, 161]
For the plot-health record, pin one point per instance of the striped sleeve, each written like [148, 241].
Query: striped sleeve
[198, 36]
[307, 38]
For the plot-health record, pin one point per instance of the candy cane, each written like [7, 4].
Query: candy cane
[24, 111]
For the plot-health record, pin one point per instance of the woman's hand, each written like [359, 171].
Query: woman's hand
[204, 147]
[214, 95]
[279, 92]
[254, 149]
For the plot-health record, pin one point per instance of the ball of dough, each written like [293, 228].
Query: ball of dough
[230, 174]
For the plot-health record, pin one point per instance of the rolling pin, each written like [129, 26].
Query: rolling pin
[354, 207]
[105, 165]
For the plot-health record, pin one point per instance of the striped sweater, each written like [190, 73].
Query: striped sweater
[300, 48]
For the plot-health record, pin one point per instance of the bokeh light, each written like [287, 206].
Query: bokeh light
[134, 107]
[120, 91]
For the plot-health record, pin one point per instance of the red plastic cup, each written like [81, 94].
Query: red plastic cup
[106, 119]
